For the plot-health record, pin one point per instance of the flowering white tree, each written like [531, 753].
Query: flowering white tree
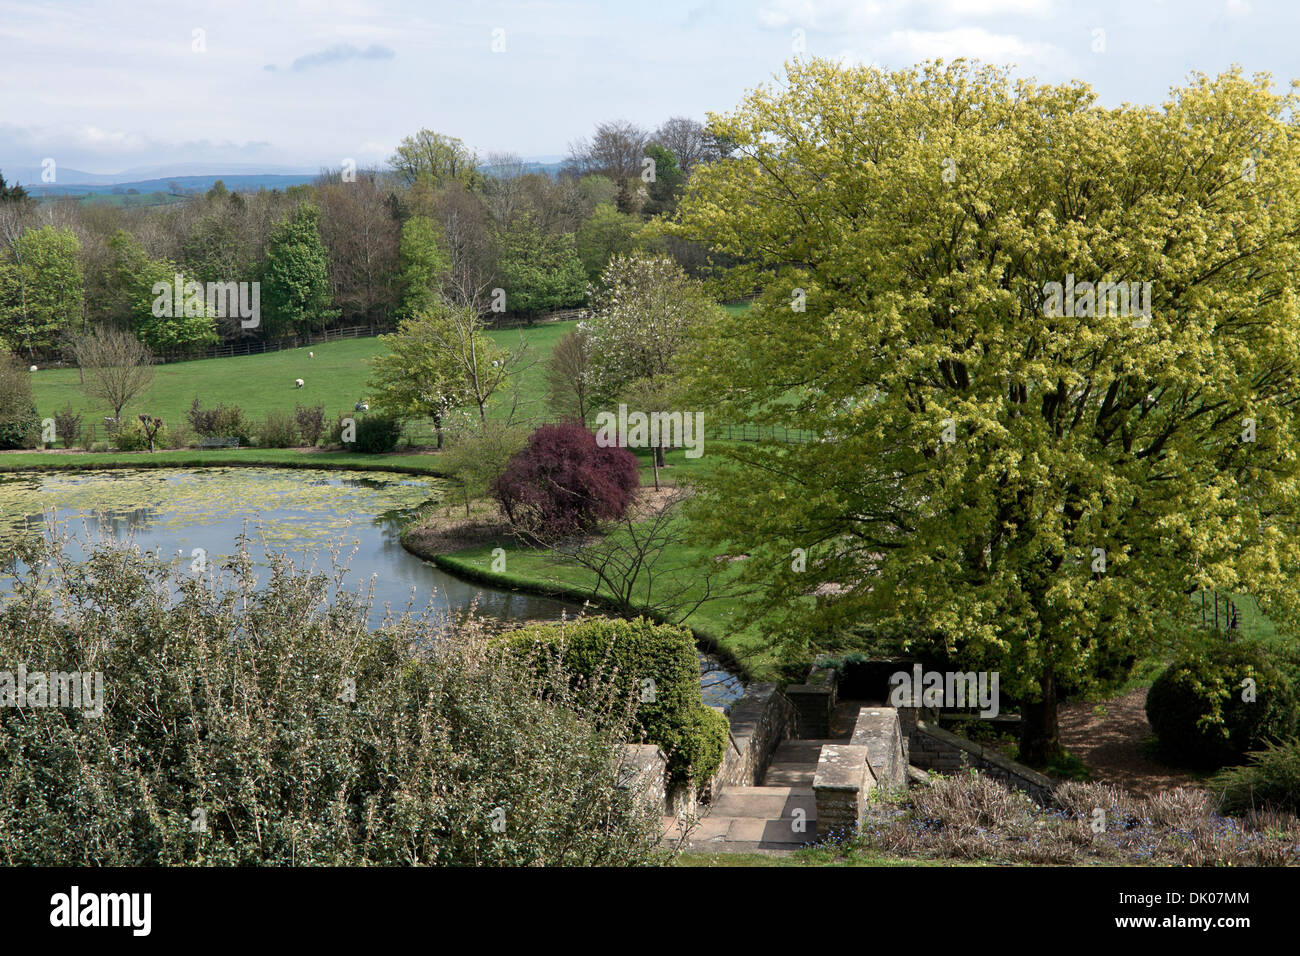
[643, 315]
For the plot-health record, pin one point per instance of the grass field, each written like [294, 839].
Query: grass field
[260, 383]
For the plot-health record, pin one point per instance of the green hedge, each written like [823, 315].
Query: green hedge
[694, 737]
[374, 434]
[1196, 708]
[20, 427]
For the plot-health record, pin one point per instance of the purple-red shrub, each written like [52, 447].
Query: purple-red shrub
[563, 482]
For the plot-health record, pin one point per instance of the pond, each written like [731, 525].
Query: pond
[304, 513]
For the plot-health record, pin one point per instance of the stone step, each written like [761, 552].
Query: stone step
[782, 774]
[794, 762]
[768, 803]
[800, 749]
[715, 832]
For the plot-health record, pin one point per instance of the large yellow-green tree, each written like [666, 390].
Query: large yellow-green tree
[1041, 486]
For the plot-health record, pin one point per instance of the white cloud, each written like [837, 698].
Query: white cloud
[827, 15]
[970, 42]
[969, 9]
[837, 16]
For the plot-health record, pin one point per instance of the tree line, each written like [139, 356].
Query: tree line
[354, 247]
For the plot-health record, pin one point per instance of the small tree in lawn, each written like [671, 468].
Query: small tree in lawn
[568, 393]
[644, 315]
[483, 366]
[652, 396]
[564, 483]
[419, 376]
[477, 457]
[151, 426]
[637, 565]
[116, 367]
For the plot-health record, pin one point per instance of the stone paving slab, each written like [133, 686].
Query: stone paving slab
[765, 802]
[764, 832]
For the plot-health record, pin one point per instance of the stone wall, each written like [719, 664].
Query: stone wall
[878, 729]
[644, 771]
[848, 773]
[760, 719]
[935, 749]
[841, 786]
[814, 702]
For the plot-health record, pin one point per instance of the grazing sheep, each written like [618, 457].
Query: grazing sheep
[361, 407]
[311, 354]
[298, 383]
[32, 369]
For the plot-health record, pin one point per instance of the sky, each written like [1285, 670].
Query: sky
[109, 85]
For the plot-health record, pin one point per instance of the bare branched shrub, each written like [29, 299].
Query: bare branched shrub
[973, 817]
[115, 367]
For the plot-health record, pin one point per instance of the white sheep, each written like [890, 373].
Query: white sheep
[298, 383]
[32, 369]
[311, 354]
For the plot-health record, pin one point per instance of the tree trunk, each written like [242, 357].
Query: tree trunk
[1040, 739]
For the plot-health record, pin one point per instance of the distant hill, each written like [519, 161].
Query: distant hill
[551, 169]
[186, 185]
[30, 175]
[182, 180]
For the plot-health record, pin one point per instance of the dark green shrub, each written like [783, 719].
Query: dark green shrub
[1196, 708]
[1269, 781]
[701, 742]
[280, 430]
[658, 663]
[20, 427]
[371, 434]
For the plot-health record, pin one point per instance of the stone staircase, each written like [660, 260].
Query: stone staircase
[772, 816]
[775, 789]
[778, 815]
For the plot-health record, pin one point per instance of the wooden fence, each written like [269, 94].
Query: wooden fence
[257, 348]
[421, 432]
[514, 322]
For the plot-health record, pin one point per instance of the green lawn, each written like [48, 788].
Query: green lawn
[259, 383]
